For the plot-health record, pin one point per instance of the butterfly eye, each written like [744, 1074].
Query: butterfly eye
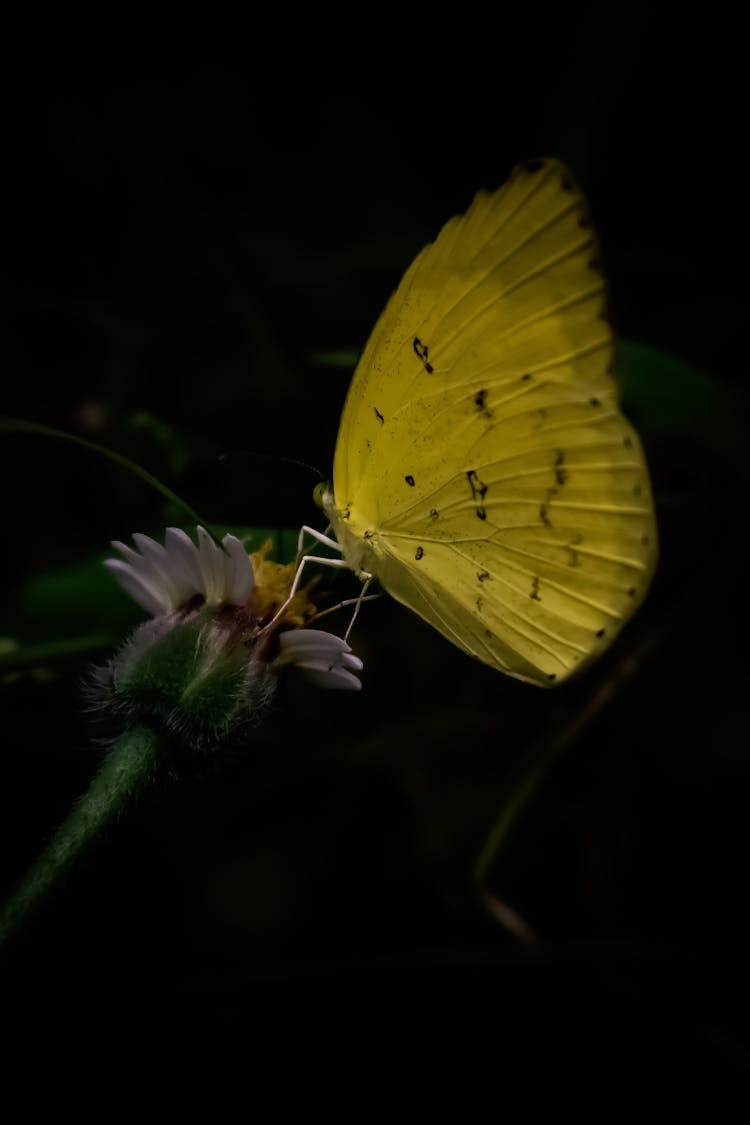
[318, 493]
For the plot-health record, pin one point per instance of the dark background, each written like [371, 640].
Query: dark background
[185, 244]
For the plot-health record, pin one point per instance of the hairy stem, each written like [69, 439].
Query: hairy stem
[126, 770]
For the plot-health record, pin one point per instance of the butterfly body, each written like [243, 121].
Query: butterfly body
[484, 472]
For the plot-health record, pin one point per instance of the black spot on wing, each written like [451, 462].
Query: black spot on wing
[480, 402]
[477, 486]
[478, 492]
[378, 415]
[409, 480]
[419, 553]
[422, 351]
[561, 474]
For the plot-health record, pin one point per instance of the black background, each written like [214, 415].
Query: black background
[183, 240]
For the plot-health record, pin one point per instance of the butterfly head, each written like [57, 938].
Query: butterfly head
[319, 493]
[324, 498]
[355, 538]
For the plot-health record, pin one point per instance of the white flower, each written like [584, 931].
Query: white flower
[182, 578]
[164, 579]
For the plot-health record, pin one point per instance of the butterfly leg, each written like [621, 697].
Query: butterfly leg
[368, 580]
[318, 536]
[342, 605]
[339, 563]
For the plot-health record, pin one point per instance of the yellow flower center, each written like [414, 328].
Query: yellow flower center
[273, 582]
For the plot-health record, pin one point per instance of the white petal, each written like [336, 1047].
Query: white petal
[127, 553]
[133, 585]
[160, 562]
[302, 643]
[239, 571]
[147, 575]
[337, 678]
[326, 659]
[183, 556]
[212, 567]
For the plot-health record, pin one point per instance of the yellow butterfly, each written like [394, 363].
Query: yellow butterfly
[483, 470]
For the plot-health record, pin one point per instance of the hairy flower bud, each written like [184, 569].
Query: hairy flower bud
[206, 664]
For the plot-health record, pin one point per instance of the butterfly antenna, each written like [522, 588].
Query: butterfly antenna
[232, 453]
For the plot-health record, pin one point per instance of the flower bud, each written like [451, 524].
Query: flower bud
[205, 666]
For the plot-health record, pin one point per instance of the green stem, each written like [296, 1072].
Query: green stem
[126, 770]
[20, 426]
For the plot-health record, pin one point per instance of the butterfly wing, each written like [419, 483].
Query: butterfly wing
[482, 456]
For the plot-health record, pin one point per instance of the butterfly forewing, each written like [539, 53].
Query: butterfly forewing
[482, 453]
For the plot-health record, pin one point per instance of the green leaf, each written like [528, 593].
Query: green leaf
[16, 658]
[669, 394]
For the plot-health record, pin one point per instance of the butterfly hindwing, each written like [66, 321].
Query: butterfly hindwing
[542, 553]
